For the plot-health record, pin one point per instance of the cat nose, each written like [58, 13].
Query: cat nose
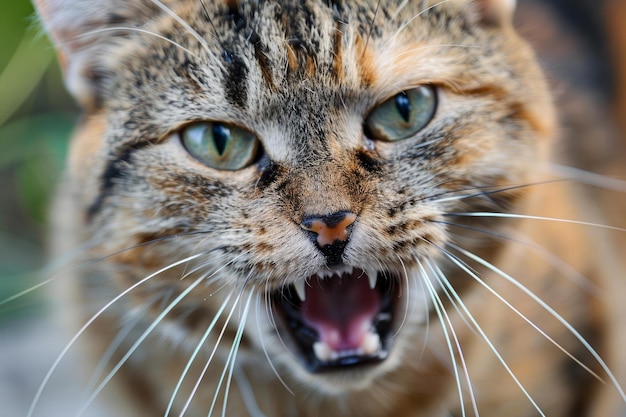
[330, 233]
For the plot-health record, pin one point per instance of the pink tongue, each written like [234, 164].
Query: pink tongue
[341, 309]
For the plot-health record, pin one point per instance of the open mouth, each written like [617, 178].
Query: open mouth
[339, 318]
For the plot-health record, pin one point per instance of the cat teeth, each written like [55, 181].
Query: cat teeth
[322, 351]
[370, 346]
[371, 343]
[300, 290]
[329, 273]
[373, 278]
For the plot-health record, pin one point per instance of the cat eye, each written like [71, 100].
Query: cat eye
[403, 115]
[221, 145]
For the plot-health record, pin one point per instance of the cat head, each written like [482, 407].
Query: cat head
[307, 153]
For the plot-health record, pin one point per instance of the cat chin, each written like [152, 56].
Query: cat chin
[346, 381]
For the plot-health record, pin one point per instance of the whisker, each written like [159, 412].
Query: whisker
[247, 394]
[54, 268]
[264, 347]
[587, 177]
[90, 321]
[553, 313]
[492, 190]
[195, 353]
[441, 313]
[132, 29]
[405, 24]
[140, 340]
[464, 267]
[208, 362]
[406, 307]
[113, 346]
[523, 216]
[208, 18]
[489, 343]
[369, 34]
[559, 264]
[187, 27]
[272, 319]
[441, 278]
[232, 357]
[399, 9]
[57, 267]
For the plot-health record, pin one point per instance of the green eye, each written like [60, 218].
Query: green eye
[403, 115]
[220, 146]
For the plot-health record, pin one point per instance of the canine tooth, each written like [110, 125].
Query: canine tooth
[372, 278]
[322, 351]
[299, 286]
[371, 343]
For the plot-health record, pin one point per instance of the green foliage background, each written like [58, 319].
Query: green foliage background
[36, 119]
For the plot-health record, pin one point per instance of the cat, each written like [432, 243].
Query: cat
[303, 208]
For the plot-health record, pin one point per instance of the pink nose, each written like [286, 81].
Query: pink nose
[329, 228]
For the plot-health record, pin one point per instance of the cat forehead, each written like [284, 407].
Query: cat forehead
[326, 36]
[279, 46]
[329, 41]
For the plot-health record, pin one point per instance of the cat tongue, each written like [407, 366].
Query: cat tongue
[341, 310]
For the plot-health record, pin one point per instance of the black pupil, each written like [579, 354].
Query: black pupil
[221, 134]
[403, 104]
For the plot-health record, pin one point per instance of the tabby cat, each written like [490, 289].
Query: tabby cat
[325, 208]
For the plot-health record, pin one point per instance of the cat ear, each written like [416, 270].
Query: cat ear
[496, 12]
[76, 29]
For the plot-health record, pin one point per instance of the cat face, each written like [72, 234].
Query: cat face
[302, 158]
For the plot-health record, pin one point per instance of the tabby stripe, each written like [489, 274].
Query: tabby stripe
[260, 53]
[235, 80]
[113, 171]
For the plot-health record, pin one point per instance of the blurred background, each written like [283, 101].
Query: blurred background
[36, 118]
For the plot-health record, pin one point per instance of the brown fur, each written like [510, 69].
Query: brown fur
[304, 89]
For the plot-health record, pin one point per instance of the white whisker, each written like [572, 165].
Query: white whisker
[208, 362]
[444, 283]
[247, 394]
[588, 178]
[399, 9]
[234, 350]
[474, 276]
[140, 340]
[132, 29]
[264, 347]
[405, 24]
[113, 346]
[490, 344]
[523, 216]
[185, 25]
[442, 314]
[90, 321]
[556, 262]
[232, 355]
[199, 346]
[554, 314]
[406, 307]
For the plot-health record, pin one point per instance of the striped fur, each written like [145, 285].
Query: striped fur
[303, 75]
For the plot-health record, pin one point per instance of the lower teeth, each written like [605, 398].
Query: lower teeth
[370, 346]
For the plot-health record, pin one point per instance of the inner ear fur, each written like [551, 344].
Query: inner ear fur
[71, 24]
